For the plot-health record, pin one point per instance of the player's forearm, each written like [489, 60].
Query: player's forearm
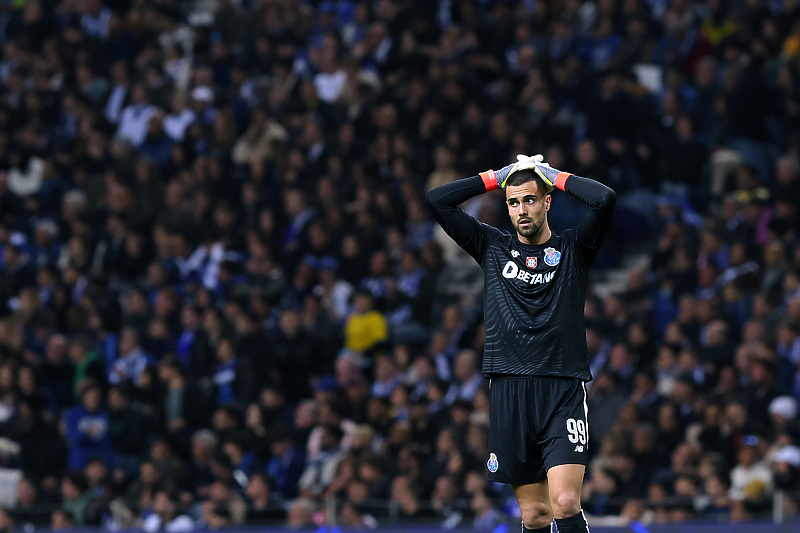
[444, 201]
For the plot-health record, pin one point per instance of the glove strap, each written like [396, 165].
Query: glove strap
[561, 180]
[489, 180]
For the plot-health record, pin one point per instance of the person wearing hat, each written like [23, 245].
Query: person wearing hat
[783, 412]
[202, 103]
[751, 479]
[786, 465]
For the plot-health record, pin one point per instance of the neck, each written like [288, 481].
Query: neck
[541, 237]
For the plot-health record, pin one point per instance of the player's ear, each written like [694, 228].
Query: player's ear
[547, 202]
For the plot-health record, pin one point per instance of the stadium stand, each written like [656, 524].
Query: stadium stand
[223, 302]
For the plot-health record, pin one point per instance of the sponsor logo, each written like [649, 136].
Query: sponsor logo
[492, 463]
[511, 271]
[531, 262]
[578, 448]
[514, 253]
[551, 256]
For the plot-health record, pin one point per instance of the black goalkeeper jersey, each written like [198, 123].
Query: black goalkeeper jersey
[533, 295]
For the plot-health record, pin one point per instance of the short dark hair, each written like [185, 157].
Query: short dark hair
[521, 177]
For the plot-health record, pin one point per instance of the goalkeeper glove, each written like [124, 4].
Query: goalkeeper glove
[497, 179]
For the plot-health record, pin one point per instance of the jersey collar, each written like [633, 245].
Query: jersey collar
[537, 247]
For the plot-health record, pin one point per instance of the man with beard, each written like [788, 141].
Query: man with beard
[535, 354]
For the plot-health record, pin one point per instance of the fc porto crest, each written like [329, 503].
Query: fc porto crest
[492, 463]
[551, 256]
[531, 262]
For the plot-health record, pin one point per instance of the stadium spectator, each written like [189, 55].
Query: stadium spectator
[165, 515]
[88, 430]
[261, 508]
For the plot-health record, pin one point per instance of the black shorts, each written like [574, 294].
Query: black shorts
[536, 423]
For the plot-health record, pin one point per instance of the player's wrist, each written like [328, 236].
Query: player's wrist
[490, 180]
[560, 180]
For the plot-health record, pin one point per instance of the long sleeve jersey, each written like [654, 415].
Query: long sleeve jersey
[533, 295]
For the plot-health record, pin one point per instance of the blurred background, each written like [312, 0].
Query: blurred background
[223, 301]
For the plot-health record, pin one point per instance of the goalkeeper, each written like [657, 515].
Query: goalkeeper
[535, 355]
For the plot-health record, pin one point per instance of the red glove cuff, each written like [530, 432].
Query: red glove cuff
[489, 180]
[561, 180]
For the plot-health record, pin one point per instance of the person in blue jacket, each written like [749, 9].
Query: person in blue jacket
[87, 430]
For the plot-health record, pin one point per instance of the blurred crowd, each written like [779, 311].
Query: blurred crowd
[223, 300]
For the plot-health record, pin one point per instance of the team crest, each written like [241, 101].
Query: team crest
[551, 256]
[492, 463]
[531, 262]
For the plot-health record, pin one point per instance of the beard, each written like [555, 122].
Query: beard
[528, 231]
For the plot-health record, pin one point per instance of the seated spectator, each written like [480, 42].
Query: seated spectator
[204, 442]
[286, 465]
[87, 363]
[301, 513]
[135, 117]
[172, 470]
[75, 496]
[132, 359]
[243, 462]
[407, 496]
[445, 498]
[61, 520]
[101, 489]
[224, 507]
[366, 327]
[387, 377]
[141, 493]
[88, 430]
[321, 467]
[28, 512]
[486, 516]
[233, 377]
[127, 429]
[187, 404]
[467, 377]
[261, 509]
[165, 515]
[751, 478]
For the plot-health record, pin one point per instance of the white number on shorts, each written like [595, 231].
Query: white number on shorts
[577, 430]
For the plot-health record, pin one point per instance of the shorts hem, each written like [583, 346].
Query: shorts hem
[506, 481]
[562, 463]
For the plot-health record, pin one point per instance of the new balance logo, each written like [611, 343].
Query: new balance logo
[578, 448]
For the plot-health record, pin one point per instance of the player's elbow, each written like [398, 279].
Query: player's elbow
[432, 198]
[608, 198]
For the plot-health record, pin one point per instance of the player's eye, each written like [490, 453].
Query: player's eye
[530, 201]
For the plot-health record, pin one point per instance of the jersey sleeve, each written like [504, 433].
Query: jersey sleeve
[470, 234]
[592, 230]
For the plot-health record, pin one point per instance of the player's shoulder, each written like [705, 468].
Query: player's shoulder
[492, 233]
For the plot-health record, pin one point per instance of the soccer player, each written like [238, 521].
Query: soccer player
[535, 354]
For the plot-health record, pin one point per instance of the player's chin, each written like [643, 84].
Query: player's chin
[527, 230]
